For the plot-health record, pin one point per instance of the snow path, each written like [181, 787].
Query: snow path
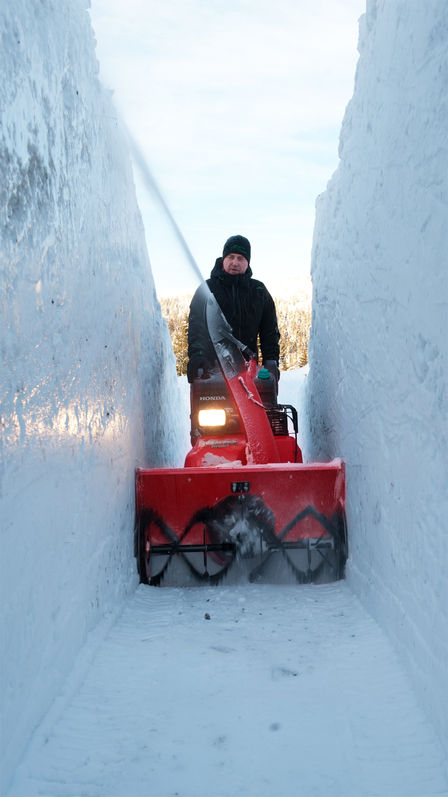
[283, 691]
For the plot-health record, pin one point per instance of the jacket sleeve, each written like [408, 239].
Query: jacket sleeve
[268, 331]
[200, 347]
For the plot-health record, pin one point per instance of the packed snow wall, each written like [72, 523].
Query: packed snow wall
[378, 392]
[86, 360]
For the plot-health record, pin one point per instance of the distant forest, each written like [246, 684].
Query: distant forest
[294, 321]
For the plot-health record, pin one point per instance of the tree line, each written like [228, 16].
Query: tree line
[294, 321]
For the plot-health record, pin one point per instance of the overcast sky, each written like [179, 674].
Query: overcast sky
[237, 105]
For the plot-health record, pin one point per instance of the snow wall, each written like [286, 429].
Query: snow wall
[86, 359]
[377, 389]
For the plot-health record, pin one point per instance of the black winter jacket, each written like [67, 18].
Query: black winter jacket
[247, 306]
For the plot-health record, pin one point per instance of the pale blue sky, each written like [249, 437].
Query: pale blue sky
[237, 105]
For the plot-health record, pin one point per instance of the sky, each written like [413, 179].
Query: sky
[237, 106]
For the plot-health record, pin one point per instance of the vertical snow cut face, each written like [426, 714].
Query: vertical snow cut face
[377, 391]
[86, 359]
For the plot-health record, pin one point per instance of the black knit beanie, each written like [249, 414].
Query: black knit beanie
[238, 244]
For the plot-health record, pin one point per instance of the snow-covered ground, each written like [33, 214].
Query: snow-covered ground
[297, 676]
[284, 691]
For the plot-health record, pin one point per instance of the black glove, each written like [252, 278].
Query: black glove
[198, 363]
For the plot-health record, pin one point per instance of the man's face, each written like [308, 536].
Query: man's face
[235, 264]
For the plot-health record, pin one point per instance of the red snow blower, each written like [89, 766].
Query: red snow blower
[244, 497]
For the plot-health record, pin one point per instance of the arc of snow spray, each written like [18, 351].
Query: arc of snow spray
[151, 185]
[218, 325]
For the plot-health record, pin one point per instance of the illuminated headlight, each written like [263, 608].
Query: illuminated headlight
[212, 417]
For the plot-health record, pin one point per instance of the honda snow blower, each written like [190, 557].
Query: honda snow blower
[244, 496]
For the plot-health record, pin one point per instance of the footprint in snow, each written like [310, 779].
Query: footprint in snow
[283, 672]
[222, 649]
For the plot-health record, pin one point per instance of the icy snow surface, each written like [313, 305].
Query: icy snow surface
[284, 691]
[86, 361]
[378, 383]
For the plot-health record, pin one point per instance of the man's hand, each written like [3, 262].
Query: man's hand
[272, 367]
[195, 364]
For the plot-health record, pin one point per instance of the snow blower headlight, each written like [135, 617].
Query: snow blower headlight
[212, 417]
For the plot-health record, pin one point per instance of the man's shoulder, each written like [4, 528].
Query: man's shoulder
[258, 286]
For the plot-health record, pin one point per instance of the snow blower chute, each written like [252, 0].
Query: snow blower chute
[244, 495]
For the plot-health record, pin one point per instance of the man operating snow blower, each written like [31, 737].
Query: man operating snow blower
[246, 304]
[244, 499]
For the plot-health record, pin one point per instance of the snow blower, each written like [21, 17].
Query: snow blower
[244, 495]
